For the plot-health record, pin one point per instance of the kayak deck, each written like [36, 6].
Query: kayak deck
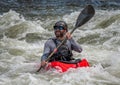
[62, 66]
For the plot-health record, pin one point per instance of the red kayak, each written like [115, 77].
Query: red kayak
[63, 66]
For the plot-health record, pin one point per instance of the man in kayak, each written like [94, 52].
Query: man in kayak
[64, 53]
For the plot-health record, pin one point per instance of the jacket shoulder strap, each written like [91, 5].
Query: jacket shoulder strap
[55, 42]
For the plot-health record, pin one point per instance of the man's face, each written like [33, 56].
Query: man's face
[59, 31]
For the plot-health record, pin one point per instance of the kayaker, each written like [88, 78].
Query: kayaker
[64, 53]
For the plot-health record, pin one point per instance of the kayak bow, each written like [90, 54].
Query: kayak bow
[64, 66]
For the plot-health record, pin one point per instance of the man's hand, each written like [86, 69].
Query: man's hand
[68, 35]
[55, 50]
[43, 63]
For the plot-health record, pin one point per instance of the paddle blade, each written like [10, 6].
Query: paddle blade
[86, 14]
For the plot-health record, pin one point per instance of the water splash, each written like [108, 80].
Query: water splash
[22, 42]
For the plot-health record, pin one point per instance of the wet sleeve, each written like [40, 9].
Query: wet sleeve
[46, 51]
[75, 46]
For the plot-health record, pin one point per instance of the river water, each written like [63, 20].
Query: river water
[23, 34]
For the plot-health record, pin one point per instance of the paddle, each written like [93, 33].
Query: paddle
[86, 14]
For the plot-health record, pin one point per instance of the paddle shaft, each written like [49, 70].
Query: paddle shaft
[56, 48]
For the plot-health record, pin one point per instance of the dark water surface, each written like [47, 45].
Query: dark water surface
[44, 8]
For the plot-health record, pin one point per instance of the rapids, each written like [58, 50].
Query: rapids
[22, 42]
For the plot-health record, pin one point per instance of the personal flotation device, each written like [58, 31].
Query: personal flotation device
[63, 52]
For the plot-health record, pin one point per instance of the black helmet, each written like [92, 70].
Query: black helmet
[62, 23]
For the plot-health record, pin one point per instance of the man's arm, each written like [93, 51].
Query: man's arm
[74, 45]
[46, 53]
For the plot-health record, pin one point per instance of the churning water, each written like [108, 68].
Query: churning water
[22, 41]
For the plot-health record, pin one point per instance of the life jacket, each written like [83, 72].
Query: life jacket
[63, 53]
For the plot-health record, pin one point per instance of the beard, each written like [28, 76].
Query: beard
[59, 34]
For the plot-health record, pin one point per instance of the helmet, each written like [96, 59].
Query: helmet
[62, 23]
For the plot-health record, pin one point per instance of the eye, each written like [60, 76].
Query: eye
[58, 28]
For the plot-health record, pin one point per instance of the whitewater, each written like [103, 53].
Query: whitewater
[22, 42]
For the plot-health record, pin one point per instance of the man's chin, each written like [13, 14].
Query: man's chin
[59, 35]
